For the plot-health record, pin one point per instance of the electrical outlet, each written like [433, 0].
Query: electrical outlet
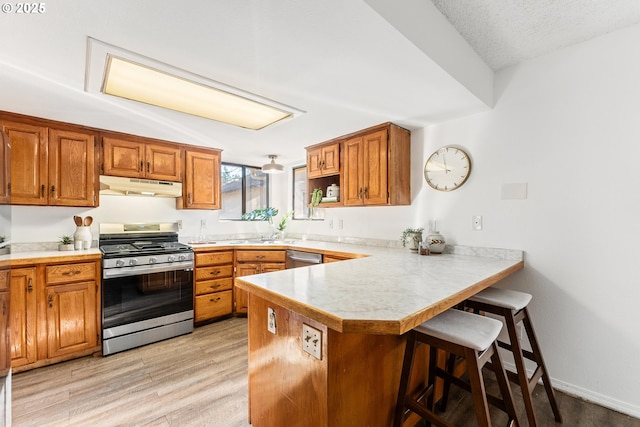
[340, 224]
[312, 341]
[271, 320]
[179, 224]
[476, 222]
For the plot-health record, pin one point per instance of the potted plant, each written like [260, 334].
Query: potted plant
[316, 197]
[413, 236]
[65, 243]
[283, 224]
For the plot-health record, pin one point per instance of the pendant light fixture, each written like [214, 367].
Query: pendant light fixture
[272, 167]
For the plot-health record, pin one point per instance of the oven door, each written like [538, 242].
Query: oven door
[139, 297]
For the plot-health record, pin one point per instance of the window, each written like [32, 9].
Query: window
[300, 205]
[244, 188]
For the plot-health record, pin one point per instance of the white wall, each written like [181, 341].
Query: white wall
[568, 125]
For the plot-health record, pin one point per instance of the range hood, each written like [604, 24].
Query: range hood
[120, 186]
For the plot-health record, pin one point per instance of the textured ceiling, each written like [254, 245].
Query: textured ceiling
[505, 32]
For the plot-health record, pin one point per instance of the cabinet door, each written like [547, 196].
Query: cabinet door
[375, 170]
[324, 160]
[352, 194]
[22, 316]
[29, 167]
[122, 158]
[5, 171]
[72, 172]
[314, 162]
[271, 266]
[331, 159]
[202, 188]
[241, 297]
[163, 162]
[213, 305]
[5, 359]
[71, 318]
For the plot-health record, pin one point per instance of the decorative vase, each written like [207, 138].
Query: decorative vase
[414, 241]
[436, 242]
[82, 237]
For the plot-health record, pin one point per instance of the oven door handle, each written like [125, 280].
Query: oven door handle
[139, 270]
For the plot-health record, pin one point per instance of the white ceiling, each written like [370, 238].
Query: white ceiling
[341, 61]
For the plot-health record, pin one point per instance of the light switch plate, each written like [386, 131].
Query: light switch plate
[271, 320]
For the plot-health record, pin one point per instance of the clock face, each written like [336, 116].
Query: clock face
[447, 169]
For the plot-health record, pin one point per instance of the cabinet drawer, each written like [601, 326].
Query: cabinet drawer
[66, 273]
[4, 279]
[214, 258]
[213, 305]
[208, 286]
[261, 256]
[216, 272]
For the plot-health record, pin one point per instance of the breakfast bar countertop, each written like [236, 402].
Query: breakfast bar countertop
[389, 291]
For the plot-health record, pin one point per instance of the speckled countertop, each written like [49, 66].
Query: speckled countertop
[390, 291]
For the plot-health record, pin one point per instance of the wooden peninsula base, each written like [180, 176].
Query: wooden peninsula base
[354, 384]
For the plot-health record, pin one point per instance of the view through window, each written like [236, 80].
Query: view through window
[244, 188]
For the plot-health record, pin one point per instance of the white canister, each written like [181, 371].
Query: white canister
[333, 191]
[82, 237]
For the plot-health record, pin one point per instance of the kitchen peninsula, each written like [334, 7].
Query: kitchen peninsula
[361, 308]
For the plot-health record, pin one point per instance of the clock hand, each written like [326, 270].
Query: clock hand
[444, 160]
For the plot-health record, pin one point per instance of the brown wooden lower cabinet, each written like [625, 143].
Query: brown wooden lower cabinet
[213, 285]
[255, 261]
[5, 301]
[54, 312]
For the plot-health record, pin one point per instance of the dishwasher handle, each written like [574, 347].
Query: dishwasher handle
[305, 257]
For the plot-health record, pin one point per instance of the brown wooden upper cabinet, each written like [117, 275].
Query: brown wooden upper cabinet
[323, 160]
[140, 159]
[202, 187]
[377, 167]
[5, 173]
[51, 166]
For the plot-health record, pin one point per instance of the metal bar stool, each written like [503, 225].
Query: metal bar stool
[467, 335]
[512, 306]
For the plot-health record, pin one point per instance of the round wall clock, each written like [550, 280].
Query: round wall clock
[447, 168]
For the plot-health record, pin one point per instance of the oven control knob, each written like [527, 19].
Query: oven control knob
[119, 263]
[133, 261]
[182, 257]
[153, 260]
[171, 258]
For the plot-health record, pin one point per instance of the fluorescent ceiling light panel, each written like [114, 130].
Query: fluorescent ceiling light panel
[130, 80]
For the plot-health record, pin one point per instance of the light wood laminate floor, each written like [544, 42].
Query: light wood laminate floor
[201, 380]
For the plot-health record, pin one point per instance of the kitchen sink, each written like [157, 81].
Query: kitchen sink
[261, 241]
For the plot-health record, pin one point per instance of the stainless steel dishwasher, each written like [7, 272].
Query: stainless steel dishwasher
[301, 258]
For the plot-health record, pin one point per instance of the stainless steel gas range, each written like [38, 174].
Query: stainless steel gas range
[147, 285]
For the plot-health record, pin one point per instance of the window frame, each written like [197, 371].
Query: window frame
[244, 187]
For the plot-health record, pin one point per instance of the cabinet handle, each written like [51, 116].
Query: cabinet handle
[214, 287]
[42, 190]
[188, 198]
[360, 193]
[216, 299]
[148, 167]
[4, 308]
[50, 301]
[260, 256]
[366, 192]
[141, 166]
[8, 188]
[69, 273]
[215, 273]
[53, 191]
[30, 285]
